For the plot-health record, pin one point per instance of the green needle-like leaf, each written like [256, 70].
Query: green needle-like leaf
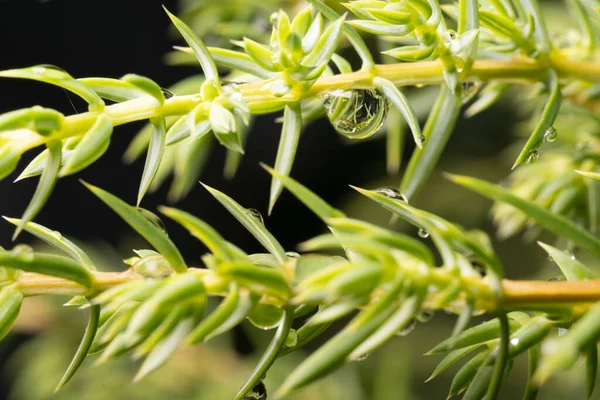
[156, 149]
[113, 89]
[10, 305]
[91, 147]
[570, 267]
[164, 349]
[326, 45]
[452, 358]
[48, 264]
[288, 144]
[44, 187]
[270, 354]
[555, 223]
[56, 240]
[307, 197]
[401, 103]
[221, 314]
[252, 221]
[56, 76]
[201, 230]
[147, 85]
[437, 131]
[200, 51]
[154, 235]
[333, 354]
[353, 37]
[84, 347]
[546, 120]
[259, 279]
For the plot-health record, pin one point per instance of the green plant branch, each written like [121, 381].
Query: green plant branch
[401, 74]
[518, 295]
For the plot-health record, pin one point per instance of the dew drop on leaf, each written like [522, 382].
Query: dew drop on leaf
[479, 267]
[392, 193]
[469, 90]
[550, 258]
[422, 139]
[534, 155]
[57, 235]
[550, 134]
[255, 215]
[258, 392]
[167, 93]
[153, 218]
[425, 315]
[292, 338]
[357, 113]
[423, 233]
[407, 328]
[362, 357]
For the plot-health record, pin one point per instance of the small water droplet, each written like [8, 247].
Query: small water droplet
[514, 341]
[450, 34]
[550, 258]
[550, 134]
[425, 315]
[419, 85]
[423, 233]
[558, 278]
[362, 357]
[357, 113]
[562, 331]
[534, 155]
[292, 254]
[408, 328]
[153, 218]
[255, 215]
[57, 235]
[167, 93]
[479, 267]
[292, 338]
[258, 392]
[469, 90]
[392, 193]
[422, 139]
[51, 66]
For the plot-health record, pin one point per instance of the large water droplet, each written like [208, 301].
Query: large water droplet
[534, 155]
[423, 233]
[255, 215]
[153, 218]
[362, 357]
[425, 315]
[469, 90]
[258, 392]
[357, 113]
[550, 134]
[407, 329]
[392, 193]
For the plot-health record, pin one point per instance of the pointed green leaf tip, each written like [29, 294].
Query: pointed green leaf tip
[154, 235]
[84, 347]
[553, 222]
[44, 187]
[306, 196]
[199, 49]
[252, 221]
[288, 144]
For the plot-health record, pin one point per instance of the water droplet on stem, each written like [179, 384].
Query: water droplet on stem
[550, 134]
[423, 233]
[258, 392]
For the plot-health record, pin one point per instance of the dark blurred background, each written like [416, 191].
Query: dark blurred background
[112, 38]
